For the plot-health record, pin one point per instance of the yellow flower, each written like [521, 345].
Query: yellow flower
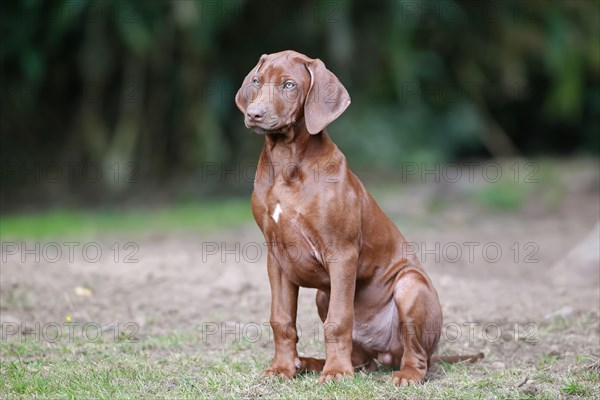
[68, 318]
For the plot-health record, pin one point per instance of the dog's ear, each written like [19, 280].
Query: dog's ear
[247, 91]
[326, 99]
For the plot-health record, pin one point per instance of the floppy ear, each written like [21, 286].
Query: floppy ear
[246, 93]
[326, 100]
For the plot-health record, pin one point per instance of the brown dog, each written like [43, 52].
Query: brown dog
[326, 232]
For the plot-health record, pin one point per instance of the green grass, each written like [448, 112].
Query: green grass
[538, 181]
[574, 387]
[503, 196]
[66, 223]
[181, 366]
[547, 360]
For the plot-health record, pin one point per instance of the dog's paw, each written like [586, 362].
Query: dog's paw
[280, 371]
[334, 374]
[408, 376]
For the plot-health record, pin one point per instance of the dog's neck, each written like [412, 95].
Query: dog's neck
[287, 153]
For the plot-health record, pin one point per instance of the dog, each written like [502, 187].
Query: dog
[374, 297]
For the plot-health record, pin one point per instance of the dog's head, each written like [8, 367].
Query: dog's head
[285, 87]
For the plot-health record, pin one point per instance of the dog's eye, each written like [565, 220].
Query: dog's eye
[255, 81]
[289, 85]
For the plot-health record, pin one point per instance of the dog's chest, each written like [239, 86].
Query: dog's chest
[295, 243]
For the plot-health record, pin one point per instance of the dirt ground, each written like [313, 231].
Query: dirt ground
[206, 282]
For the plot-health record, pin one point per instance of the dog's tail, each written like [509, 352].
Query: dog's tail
[455, 359]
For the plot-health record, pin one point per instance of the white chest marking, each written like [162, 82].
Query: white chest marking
[277, 213]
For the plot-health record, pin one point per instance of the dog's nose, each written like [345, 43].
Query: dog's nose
[256, 112]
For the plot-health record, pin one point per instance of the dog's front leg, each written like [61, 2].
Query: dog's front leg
[340, 315]
[284, 305]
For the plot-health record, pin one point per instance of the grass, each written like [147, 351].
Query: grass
[503, 196]
[573, 387]
[547, 360]
[67, 223]
[17, 299]
[510, 193]
[180, 366]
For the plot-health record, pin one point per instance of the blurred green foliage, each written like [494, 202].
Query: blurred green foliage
[153, 82]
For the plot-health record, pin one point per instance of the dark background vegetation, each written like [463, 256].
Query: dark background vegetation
[144, 90]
